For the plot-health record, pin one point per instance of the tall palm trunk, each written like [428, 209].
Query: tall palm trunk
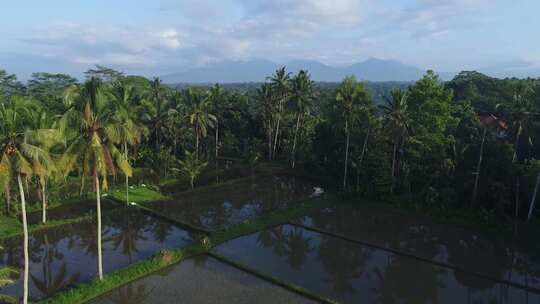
[127, 177]
[98, 209]
[276, 136]
[25, 231]
[197, 141]
[359, 166]
[217, 143]
[44, 201]
[478, 166]
[293, 154]
[394, 155]
[533, 199]
[346, 155]
[269, 139]
[516, 144]
[82, 185]
[7, 196]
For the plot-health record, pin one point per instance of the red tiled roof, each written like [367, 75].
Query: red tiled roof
[492, 119]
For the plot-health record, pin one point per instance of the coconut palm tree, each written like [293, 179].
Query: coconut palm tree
[127, 120]
[191, 167]
[396, 112]
[198, 116]
[351, 98]
[216, 96]
[533, 199]
[302, 96]
[266, 96]
[280, 82]
[51, 137]
[520, 113]
[94, 143]
[19, 158]
[158, 111]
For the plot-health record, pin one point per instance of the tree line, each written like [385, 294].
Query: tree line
[472, 142]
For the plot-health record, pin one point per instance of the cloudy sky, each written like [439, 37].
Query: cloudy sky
[161, 36]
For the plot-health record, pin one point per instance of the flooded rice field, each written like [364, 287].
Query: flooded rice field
[201, 280]
[354, 273]
[221, 206]
[65, 256]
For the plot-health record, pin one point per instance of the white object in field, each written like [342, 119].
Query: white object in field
[133, 203]
[131, 187]
[104, 195]
[143, 185]
[317, 191]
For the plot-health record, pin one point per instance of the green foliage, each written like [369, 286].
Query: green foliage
[191, 167]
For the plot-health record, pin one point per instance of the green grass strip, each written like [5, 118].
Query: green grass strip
[138, 195]
[37, 227]
[89, 291]
[291, 287]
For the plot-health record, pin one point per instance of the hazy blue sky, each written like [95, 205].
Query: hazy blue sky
[155, 36]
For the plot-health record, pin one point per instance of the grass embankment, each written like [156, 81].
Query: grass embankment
[11, 227]
[138, 194]
[203, 245]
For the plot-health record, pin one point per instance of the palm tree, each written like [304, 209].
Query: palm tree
[51, 136]
[20, 158]
[158, 110]
[216, 95]
[533, 199]
[266, 95]
[280, 81]
[396, 112]
[127, 120]
[191, 167]
[302, 95]
[94, 145]
[198, 116]
[522, 117]
[351, 98]
[521, 113]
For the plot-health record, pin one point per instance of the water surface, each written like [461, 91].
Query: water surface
[221, 206]
[71, 211]
[67, 255]
[352, 273]
[494, 256]
[201, 280]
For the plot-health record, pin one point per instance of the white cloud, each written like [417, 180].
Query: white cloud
[91, 44]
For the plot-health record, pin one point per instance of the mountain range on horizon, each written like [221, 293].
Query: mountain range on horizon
[229, 71]
[372, 69]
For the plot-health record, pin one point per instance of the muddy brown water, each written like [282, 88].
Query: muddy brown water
[353, 273]
[201, 280]
[224, 205]
[65, 256]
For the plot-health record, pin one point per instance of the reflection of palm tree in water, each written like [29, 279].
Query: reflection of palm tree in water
[273, 238]
[343, 262]
[298, 247]
[129, 232]
[88, 238]
[131, 294]
[50, 284]
[161, 230]
[407, 281]
[289, 242]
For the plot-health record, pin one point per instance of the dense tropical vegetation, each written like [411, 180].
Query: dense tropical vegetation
[472, 143]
